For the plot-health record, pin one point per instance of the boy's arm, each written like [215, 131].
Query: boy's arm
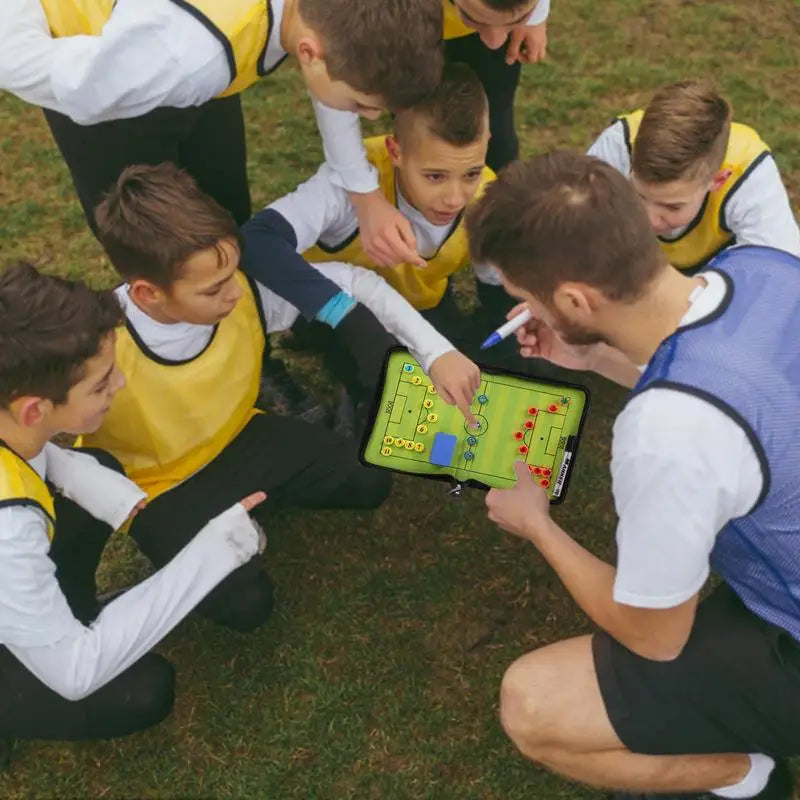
[107, 495]
[386, 234]
[149, 54]
[270, 257]
[611, 147]
[39, 629]
[758, 211]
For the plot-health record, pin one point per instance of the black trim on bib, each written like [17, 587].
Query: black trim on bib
[626, 133]
[270, 27]
[719, 310]
[691, 226]
[739, 181]
[259, 306]
[215, 32]
[29, 502]
[333, 249]
[165, 362]
[734, 416]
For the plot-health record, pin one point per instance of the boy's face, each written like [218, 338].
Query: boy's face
[675, 204]
[491, 25]
[205, 292]
[90, 398]
[436, 177]
[333, 93]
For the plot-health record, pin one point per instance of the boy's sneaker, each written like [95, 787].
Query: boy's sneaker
[280, 393]
[779, 787]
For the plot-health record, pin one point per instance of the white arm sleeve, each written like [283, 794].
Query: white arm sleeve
[318, 208]
[74, 661]
[681, 469]
[759, 212]
[107, 495]
[149, 54]
[392, 310]
[344, 149]
[610, 147]
[539, 13]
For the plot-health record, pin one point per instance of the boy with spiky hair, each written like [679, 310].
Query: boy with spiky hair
[186, 427]
[431, 167]
[707, 182]
[67, 669]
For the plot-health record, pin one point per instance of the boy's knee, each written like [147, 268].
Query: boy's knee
[151, 697]
[242, 606]
[372, 488]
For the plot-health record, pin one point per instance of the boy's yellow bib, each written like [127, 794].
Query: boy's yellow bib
[241, 26]
[20, 485]
[708, 233]
[454, 26]
[423, 288]
[173, 418]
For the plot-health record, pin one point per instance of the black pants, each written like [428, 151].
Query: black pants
[297, 464]
[138, 698]
[500, 81]
[208, 141]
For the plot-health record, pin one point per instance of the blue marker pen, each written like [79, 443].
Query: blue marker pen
[504, 331]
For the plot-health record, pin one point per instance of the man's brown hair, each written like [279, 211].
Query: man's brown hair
[390, 49]
[456, 111]
[154, 218]
[49, 329]
[565, 217]
[683, 134]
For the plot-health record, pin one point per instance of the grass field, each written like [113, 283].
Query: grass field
[377, 677]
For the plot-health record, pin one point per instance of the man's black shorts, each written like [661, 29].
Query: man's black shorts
[735, 688]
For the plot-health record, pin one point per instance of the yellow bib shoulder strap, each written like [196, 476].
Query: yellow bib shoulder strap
[20, 485]
[242, 27]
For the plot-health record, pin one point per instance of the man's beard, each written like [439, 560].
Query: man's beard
[575, 335]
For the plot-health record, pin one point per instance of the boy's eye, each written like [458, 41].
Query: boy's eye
[435, 177]
[213, 292]
[473, 176]
[101, 388]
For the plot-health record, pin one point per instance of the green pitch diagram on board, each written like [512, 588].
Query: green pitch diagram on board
[519, 419]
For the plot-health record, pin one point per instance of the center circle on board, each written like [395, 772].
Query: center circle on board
[477, 431]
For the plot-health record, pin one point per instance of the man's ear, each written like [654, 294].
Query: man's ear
[144, 293]
[394, 149]
[576, 300]
[30, 411]
[718, 181]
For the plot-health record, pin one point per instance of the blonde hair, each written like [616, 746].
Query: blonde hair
[683, 134]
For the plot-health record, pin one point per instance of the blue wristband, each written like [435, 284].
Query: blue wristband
[336, 309]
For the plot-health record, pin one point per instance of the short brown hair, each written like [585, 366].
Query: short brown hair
[392, 49]
[565, 217]
[456, 111]
[49, 329]
[683, 134]
[154, 218]
[506, 5]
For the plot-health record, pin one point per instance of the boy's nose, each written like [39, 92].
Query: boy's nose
[493, 38]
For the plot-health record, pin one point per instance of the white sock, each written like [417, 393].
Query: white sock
[761, 767]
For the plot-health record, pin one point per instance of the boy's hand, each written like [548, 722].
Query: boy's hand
[539, 340]
[522, 508]
[386, 234]
[457, 379]
[527, 44]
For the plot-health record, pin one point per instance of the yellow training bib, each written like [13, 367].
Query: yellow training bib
[423, 288]
[708, 233]
[242, 27]
[173, 418]
[20, 485]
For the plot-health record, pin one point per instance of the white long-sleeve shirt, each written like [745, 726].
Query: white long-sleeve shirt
[183, 340]
[36, 623]
[319, 210]
[756, 212]
[151, 53]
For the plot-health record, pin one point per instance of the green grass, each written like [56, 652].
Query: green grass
[378, 676]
